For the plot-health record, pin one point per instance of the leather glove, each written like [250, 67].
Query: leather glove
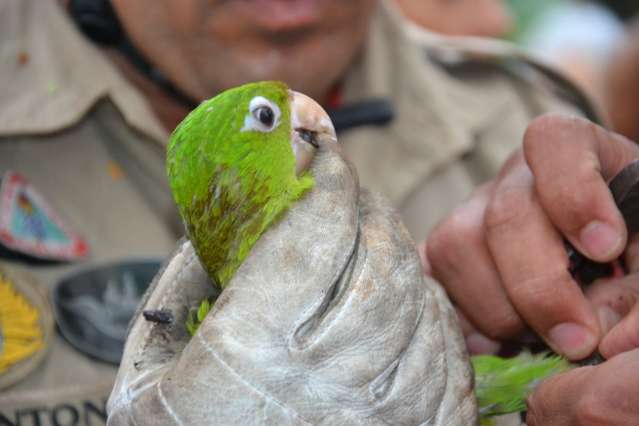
[329, 320]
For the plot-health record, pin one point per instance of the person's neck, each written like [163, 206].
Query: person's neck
[169, 111]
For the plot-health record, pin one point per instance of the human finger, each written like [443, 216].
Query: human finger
[460, 261]
[532, 264]
[571, 160]
[613, 299]
[623, 337]
[605, 394]
[476, 342]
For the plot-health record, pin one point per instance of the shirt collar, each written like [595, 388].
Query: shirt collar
[52, 75]
[428, 100]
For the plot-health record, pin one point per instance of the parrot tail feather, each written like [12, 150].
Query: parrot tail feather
[503, 384]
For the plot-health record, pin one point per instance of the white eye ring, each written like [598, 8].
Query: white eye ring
[263, 115]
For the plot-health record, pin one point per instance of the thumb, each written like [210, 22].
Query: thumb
[605, 394]
[557, 398]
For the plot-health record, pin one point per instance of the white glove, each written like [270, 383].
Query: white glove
[329, 320]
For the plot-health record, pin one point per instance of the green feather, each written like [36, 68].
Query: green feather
[503, 384]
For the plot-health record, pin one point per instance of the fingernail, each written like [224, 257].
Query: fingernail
[572, 340]
[599, 239]
[608, 318]
[479, 344]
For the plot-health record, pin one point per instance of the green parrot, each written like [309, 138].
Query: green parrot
[239, 160]
[235, 164]
[233, 170]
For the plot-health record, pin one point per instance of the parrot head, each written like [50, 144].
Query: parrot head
[237, 162]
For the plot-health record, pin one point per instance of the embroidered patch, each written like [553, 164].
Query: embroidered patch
[29, 226]
[26, 326]
[93, 308]
[20, 330]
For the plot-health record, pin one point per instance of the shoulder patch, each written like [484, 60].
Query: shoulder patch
[29, 226]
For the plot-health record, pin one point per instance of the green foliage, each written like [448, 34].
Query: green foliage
[503, 384]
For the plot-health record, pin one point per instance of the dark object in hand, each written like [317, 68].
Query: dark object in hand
[584, 270]
[625, 191]
[160, 316]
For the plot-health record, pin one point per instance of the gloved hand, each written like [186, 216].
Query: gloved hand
[329, 320]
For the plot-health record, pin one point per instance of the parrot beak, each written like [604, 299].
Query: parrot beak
[311, 127]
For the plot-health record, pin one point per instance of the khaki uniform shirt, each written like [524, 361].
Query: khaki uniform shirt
[88, 142]
[462, 106]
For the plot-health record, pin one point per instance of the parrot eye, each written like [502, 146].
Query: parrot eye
[263, 116]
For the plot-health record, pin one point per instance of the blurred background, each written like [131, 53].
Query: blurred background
[593, 42]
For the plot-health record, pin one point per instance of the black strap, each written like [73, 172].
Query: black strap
[377, 112]
[97, 20]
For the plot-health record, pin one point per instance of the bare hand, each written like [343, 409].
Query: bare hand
[501, 255]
